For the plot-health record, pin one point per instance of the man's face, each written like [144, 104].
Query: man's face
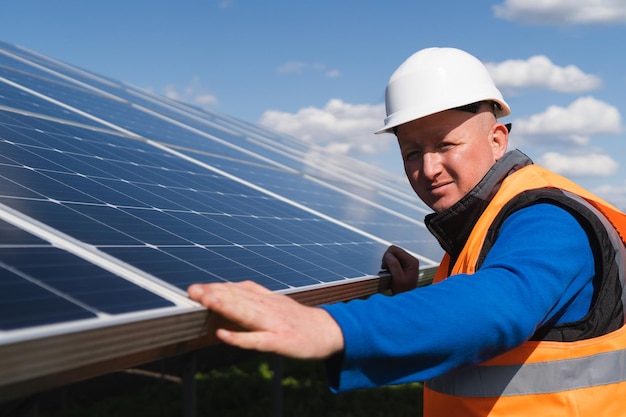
[446, 154]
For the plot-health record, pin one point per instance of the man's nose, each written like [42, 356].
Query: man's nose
[431, 164]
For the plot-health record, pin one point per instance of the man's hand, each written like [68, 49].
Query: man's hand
[272, 322]
[404, 269]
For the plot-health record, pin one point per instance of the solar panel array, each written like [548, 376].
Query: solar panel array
[113, 200]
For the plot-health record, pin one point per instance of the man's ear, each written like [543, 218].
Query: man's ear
[499, 140]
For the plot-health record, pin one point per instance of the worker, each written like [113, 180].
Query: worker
[526, 314]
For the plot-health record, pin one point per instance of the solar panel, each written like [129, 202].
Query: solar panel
[114, 200]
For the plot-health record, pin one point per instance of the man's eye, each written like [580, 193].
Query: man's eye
[412, 155]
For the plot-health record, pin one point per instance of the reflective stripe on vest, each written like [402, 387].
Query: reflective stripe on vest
[556, 376]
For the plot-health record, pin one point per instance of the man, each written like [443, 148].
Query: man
[527, 312]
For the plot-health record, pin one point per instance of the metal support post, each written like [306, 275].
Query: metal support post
[277, 386]
[189, 385]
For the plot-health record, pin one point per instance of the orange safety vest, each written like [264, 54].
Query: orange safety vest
[538, 378]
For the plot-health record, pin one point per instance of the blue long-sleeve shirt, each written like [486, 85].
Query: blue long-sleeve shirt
[539, 270]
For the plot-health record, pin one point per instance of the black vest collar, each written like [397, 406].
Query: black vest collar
[453, 226]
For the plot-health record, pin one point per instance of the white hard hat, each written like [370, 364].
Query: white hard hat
[434, 80]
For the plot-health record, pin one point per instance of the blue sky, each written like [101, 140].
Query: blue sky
[318, 70]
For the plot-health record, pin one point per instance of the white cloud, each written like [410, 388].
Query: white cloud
[298, 67]
[193, 93]
[573, 124]
[563, 11]
[592, 164]
[539, 71]
[290, 67]
[340, 127]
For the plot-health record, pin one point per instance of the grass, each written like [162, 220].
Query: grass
[245, 390]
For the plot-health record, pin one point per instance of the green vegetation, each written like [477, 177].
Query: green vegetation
[245, 390]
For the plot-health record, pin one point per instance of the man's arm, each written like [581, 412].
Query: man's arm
[539, 270]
